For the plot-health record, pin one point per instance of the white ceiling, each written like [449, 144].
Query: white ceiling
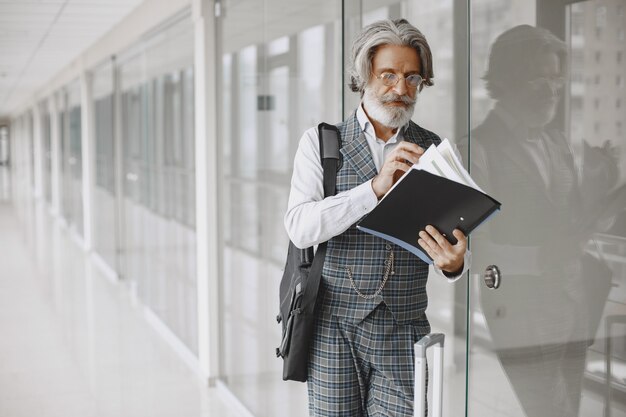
[38, 38]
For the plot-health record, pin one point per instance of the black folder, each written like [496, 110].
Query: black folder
[421, 199]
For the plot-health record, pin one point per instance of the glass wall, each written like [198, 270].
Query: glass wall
[20, 155]
[541, 344]
[5, 150]
[280, 74]
[278, 79]
[158, 200]
[105, 229]
[46, 145]
[547, 141]
[442, 109]
[30, 140]
[21, 163]
[75, 161]
[60, 99]
[71, 156]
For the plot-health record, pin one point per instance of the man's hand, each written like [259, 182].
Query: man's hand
[400, 159]
[448, 257]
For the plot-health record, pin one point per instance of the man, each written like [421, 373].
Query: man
[546, 314]
[372, 300]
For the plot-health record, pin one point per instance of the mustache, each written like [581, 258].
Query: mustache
[391, 97]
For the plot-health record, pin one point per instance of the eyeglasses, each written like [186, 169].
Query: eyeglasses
[390, 79]
[547, 82]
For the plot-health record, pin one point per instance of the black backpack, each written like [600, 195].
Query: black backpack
[301, 278]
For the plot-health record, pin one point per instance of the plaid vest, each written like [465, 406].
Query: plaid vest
[405, 291]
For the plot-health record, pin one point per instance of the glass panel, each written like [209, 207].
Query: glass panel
[75, 148]
[7, 156]
[65, 189]
[70, 135]
[46, 140]
[548, 143]
[280, 75]
[30, 132]
[157, 127]
[104, 193]
[5, 150]
[444, 24]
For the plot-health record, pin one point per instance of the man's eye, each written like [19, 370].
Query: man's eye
[389, 76]
[414, 79]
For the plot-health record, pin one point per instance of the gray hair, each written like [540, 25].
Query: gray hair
[387, 32]
[513, 55]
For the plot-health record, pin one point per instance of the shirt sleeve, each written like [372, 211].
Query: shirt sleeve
[312, 219]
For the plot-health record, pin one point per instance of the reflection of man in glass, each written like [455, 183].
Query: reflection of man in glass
[371, 307]
[546, 313]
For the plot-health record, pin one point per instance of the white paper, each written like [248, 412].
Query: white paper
[432, 161]
[442, 161]
[445, 149]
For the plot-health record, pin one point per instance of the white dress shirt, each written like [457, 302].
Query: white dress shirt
[312, 219]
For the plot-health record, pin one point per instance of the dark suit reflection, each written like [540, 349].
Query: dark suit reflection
[546, 313]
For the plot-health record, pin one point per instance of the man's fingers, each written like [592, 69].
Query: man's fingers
[430, 242]
[403, 155]
[426, 248]
[432, 250]
[392, 166]
[445, 255]
[411, 147]
[460, 236]
[408, 147]
[439, 238]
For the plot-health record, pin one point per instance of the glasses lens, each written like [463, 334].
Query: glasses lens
[389, 78]
[547, 83]
[414, 80]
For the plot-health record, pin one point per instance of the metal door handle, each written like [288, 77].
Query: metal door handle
[492, 277]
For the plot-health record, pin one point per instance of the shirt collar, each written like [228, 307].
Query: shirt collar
[362, 118]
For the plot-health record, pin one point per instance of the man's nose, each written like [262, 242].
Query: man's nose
[400, 88]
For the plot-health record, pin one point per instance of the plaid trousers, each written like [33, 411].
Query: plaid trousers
[363, 369]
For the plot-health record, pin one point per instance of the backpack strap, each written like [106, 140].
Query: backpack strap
[330, 143]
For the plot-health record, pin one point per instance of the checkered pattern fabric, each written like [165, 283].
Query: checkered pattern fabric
[363, 369]
[361, 361]
[405, 291]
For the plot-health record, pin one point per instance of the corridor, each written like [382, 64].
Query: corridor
[75, 343]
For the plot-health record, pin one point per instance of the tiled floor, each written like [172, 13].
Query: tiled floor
[73, 343]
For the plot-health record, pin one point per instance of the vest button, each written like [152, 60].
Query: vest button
[388, 246]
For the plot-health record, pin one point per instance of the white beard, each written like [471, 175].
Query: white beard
[390, 116]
